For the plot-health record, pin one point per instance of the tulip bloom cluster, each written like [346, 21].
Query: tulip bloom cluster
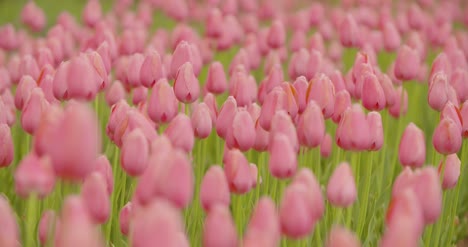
[278, 123]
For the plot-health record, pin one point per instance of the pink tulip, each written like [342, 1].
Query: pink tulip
[34, 175]
[276, 35]
[353, 130]
[81, 79]
[342, 237]
[92, 13]
[407, 63]
[412, 149]
[342, 102]
[464, 117]
[139, 95]
[450, 170]
[201, 121]
[103, 166]
[391, 37]
[180, 132]
[311, 126]
[264, 227]
[440, 92]
[186, 86]
[373, 95]
[134, 153]
[242, 133]
[349, 32]
[115, 93]
[125, 217]
[341, 189]
[459, 80]
[214, 189]
[216, 82]
[219, 228]
[376, 130]
[96, 198]
[33, 16]
[295, 215]
[401, 103]
[9, 237]
[76, 227]
[283, 162]
[162, 104]
[7, 152]
[33, 110]
[159, 222]
[75, 142]
[322, 91]
[447, 137]
[151, 70]
[326, 146]
[274, 101]
[226, 116]
[300, 87]
[23, 91]
[183, 53]
[238, 172]
[47, 226]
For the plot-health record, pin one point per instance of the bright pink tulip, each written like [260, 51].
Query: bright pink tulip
[96, 198]
[447, 138]
[180, 132]
[311, 126]
[219, 228]
[7, 152]
[162, 104]
[214, 189]
[342, 237]
[34, 175]
[201, 121]
[186, 85]
[450, 170]
[216, 82]
[341, 189]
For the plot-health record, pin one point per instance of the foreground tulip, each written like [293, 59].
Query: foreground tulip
[238, 172]
[76, 227]
[440, 92]
[342, 237]
[180, 132]
[376, 130]
[311, 126]
[159, 223]
[264, 227]
[296, 218]
[450, 168]
[412, 149]
[34, 175]
[124, 218]
[214, 189]
[47, 226]
[9, 237]
[283, 162]
[373, 95]
[103, 166]
[314, 192]
[219, 228]
[341, 189]
[353, 131]
[226, 116]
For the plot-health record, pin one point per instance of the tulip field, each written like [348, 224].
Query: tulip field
[233, 123]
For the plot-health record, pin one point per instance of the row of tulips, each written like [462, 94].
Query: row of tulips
[248, 132]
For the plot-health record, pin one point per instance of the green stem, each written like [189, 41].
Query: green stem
[31, 221]
[365, 196]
